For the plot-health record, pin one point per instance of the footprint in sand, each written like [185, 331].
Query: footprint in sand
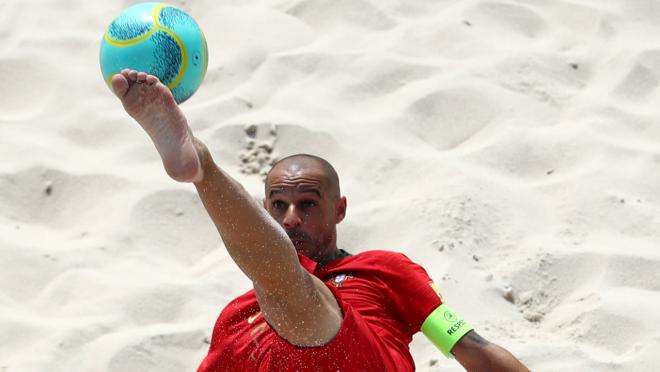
[543, 77]
[511, 20]
[615, 327]
[19, 280]
[542, 282]
[26, 96]
[163, 224]
[446, 119]
[53, 198]
[157, 304]
[643, 78]
[165, 352]
[306, 139]
[330, 13]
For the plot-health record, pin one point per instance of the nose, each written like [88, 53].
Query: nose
[291, 218]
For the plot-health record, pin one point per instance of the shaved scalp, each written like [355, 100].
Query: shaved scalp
[328, 169]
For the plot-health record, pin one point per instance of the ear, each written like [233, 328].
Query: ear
[340, 209]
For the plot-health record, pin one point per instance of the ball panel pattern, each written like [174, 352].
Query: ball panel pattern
[127, 28]
[167, 57]
[174, 18]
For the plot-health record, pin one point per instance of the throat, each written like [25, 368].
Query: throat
[337, 255]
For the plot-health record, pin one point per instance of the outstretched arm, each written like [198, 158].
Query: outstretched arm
[476, 354]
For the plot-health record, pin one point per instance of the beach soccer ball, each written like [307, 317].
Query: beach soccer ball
[158, 39]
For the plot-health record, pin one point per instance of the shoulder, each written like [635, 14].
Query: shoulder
[381, 262]
[377, 254]
[376, 263]
[383, 257]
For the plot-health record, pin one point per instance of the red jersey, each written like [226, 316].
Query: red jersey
[384, 297]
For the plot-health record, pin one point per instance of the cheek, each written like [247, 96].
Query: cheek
[326, 222]
[316, 221]
[277, 215]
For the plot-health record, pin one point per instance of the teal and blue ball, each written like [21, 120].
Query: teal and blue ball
[161, 40]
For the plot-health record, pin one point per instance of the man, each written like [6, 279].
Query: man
[314, 307]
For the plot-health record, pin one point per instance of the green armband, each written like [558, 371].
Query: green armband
[444, 328]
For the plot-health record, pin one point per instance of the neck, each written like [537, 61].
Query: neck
[325, 254]
[326, 251]
[337, 254]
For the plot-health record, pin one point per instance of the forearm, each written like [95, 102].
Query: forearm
[497, 359]
[479, 355]
[253, 239]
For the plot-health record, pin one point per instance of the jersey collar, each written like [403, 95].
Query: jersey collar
[311, 265]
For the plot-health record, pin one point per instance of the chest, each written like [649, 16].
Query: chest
[243, 323]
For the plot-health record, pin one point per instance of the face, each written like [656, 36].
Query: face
[300, 197]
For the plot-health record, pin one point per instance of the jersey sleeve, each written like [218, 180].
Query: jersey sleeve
[412, 294]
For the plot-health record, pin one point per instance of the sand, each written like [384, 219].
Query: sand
[511, 147]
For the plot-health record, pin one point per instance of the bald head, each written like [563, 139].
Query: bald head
[301, 162]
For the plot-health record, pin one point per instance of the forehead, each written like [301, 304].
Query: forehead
[297, 177]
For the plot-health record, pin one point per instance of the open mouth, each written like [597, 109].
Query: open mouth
[297, 238]
[297, 242]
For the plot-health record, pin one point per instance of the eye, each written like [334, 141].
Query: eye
[308, 204]
[278, 204]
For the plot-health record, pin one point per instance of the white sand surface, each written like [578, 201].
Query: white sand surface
[511, 147]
